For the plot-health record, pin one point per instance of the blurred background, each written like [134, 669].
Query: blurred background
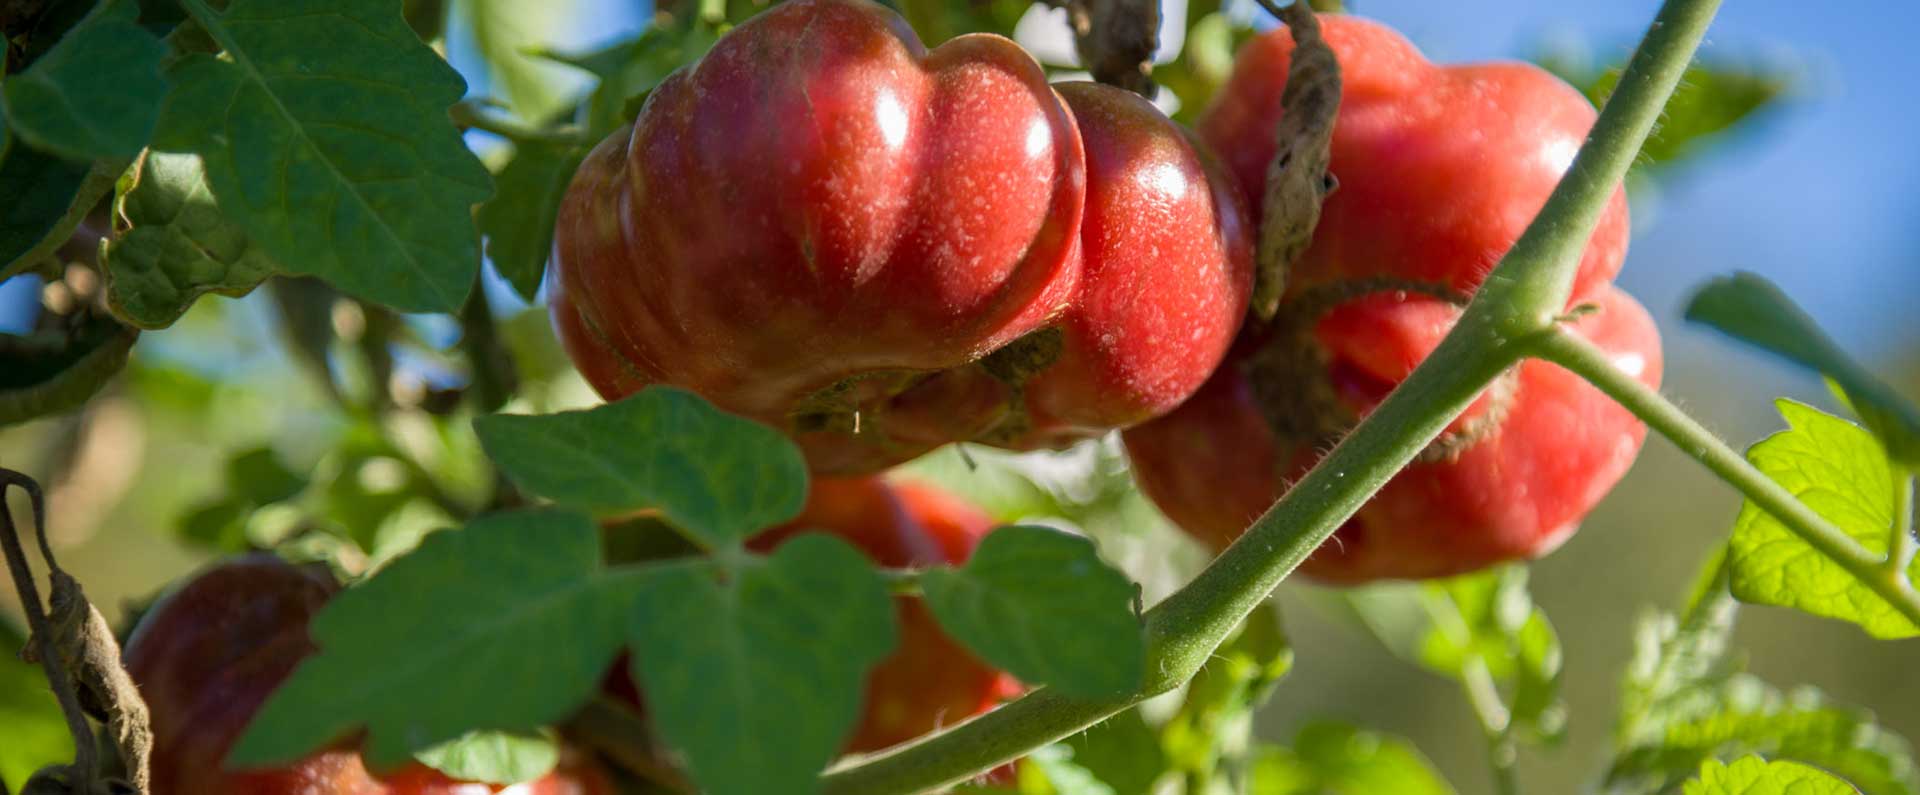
[226, 430]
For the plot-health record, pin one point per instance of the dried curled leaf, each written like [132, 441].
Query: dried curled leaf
[1297, 178]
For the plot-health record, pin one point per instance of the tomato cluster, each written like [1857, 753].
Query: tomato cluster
[1440, 169]
[206, 656]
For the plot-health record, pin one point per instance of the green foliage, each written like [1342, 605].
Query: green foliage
[757, 679]
[1712, 98]
[324, 135]
[494, 757]
[1840, 471]
[54, 371]
[1755, 311]
[1755, 776]
[1122, 752]
[507, 32]
[1329, 758]
[1213, 36]
[1053, 770]
[518, 221]
[1213, 728]
[36, 218]
[628, 70]
[178, 247]
[96, 93]
[514, 597]
[36, 733]
[1040, 604]
[717, 476]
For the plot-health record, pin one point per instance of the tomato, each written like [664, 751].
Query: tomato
[1440, 169]
[930, 680]
[208, 655]
[826, 227]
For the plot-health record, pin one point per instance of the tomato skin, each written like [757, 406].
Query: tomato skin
[930, 680]
[825, 227]
[206, 656]
[1440, 169]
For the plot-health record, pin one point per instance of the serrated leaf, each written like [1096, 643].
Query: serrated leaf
[1753, 310]
[715, 475]
[1841, 472]
[56, 371]
[175, 244]
[515, 607]
[1751, 718]
[95, 94]
[1679, 663]
[40, 191]
[518, 221]
[259, 476]
[36, 731]
[757, 680]
[325, 135]
[1041, 605]
[1330, 758]
[492, 757]
[1755, 776]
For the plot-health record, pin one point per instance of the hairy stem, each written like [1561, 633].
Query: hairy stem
[1591, 363]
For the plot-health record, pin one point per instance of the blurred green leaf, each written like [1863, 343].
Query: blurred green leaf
[1711, 99]
[178, 247]
[715, 475]
[492, 757]
[516, 606]
[56, 371]
[1752, 718]
[936, 21]
[1216, 719]
[1841, 472]
[40, 210]
[757, 679]
[1753, 310]
[219, 525]
[518, 221]
[1755, 776]
[258, 475]
[505, 32]
[324, 134]
[1054, 770]
[628, 70]
[1122, 752]
[1204, 63]
[36, 732]
[1040, 604]
[1679, 662]
[1330, 758]
[95, 94]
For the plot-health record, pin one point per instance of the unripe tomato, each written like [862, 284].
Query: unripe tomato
[1440, 169]
[824, 226]
[207, 656]
[929, 681]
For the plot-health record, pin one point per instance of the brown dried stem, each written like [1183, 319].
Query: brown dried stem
[1297, 178]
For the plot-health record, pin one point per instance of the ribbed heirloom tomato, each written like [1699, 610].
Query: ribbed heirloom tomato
[882, 249]
[208, 655]
[1440, 169]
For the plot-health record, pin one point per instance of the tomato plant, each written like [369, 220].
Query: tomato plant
[826, 396]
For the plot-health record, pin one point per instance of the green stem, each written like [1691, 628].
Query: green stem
[1589, 362]
[1902, 545]
[470, 114]
[1519, 302]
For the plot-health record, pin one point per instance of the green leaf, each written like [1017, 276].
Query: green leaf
[515, 608]
[1837, 469]
[220, 525]
[1060, 773]
[56, 371]
[1680, 663]
[715, 475]
[1711, 99]
[1041, 605]
[757, 680]
[1753, 310]
[1336, 759]
[1752, 718]
[40, 211]
[518, 221]
[630, 69]
[258, 475]
[324, 133]
[179, 246]
[494, 757]
[1217, 716]
[36, 732]
[96, 94]
[505, 31]
[1755, 776]
[1122, 752]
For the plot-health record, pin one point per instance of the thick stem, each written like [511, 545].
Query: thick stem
[1591, 363]
[1183, 630]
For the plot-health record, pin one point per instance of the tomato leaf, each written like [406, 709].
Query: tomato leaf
[515, 606]
[717, 476]
[1330, 758]
[1712, 98]
[1217, 714]
[1122, 752]
[258, 475]
[96, 93]
[1753, 718]
[1753, 310]
[1060, 773]
[1841, 472]
[40, 212]
[175, 244]
[757, 680]
[325, 135]
[1756, 776]
[56, 371]
[492, 757]
[1040, 604]
[518, 221]
[36, 730]
[630, 69]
